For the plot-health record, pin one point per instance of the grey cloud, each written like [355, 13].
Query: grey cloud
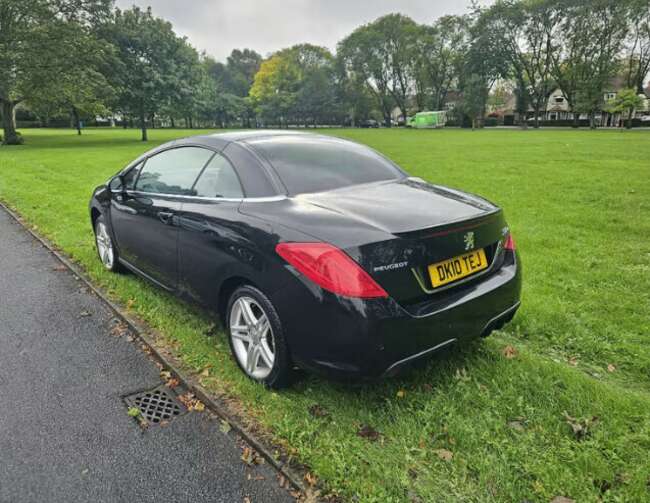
[218, 26]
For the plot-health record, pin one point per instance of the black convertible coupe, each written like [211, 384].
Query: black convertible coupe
[315, 251]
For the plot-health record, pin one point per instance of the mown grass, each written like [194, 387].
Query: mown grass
[578, 202]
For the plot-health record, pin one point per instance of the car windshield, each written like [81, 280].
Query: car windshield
[314, 164]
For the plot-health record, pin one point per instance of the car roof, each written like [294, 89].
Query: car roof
[221, 140]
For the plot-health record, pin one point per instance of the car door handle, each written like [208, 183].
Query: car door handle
[165, 216]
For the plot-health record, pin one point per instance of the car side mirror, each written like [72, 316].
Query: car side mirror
[116, 185]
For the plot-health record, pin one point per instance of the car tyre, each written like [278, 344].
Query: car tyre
[256, 338]
[105, 247]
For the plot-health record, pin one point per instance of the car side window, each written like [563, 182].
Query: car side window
[131, 176]
[218, 180]
[173, 171]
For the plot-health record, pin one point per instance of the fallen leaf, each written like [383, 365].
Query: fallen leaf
[311, 479]
[318, 411]
[368, 432]
[198, 406]
[133, 412]
[611, 368]
[172, 383]
[206, 373]
[130, 338]
[247, 499]
[248, 456]
[573, 361]
[401, 393]
[84, 314]
[165, 374]
[444, 454]
[562, 499]
[509, 352]
[225, 426]
[84, 471]
[59, 268]
[516, 425]
[130, 303]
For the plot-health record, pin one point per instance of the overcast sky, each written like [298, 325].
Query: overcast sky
[218, 26]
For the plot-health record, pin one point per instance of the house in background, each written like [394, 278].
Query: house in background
[558, 109]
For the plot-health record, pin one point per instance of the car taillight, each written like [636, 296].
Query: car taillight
[510, 243]
[331, 269]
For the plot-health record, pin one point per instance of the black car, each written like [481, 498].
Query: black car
[315, 252]
[369, 123]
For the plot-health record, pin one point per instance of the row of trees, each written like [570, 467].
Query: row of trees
[86, 58]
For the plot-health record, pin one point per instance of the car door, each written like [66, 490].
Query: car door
[145, 220]
[211, 234]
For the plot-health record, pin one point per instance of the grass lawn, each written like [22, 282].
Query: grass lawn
[579, 206]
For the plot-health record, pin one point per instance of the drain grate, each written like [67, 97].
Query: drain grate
[156, 405]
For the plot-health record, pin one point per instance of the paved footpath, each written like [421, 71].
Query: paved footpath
[65, 435]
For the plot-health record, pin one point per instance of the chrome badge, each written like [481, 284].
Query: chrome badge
[469, 240]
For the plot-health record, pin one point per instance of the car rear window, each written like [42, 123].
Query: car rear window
[318, 164]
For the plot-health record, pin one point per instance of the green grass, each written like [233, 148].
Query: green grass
[579, 206]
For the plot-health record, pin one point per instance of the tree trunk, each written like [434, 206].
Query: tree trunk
[592, 120]
[10, 137]
[537, 108]
[629, 118]
[576, 120]
[143, 124]
[77, 121]
[173, 123]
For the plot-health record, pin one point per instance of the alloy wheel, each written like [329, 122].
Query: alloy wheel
[252, 337]
[104, 245]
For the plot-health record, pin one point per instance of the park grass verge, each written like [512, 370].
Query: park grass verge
[482, 423]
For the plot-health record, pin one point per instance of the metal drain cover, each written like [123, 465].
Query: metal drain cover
[156, 405]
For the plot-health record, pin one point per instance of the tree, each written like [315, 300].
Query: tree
[382, 54]
[363, 64]
[627, 100]
[155, 66]
[81, 89]
[485, 63]
[588, 37]
[298, 84]
[638, 45]
[440, 51]
[524, 30]
[276, 83]
[39, 44]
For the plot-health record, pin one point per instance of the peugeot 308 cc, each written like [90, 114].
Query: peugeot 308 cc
[316, 252]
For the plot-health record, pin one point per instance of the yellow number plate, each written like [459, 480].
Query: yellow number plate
[458, 267]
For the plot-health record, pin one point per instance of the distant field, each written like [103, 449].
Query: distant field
[579, 206]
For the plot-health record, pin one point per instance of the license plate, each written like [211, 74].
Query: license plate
[456, 268]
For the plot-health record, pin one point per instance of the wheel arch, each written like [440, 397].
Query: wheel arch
[228, 286]
[94, 215]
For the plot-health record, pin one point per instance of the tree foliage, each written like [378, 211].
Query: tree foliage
[30, 61]
[154, 67]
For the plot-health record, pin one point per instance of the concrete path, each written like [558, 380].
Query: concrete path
[65, 435]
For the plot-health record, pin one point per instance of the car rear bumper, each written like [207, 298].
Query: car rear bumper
[369, 338]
